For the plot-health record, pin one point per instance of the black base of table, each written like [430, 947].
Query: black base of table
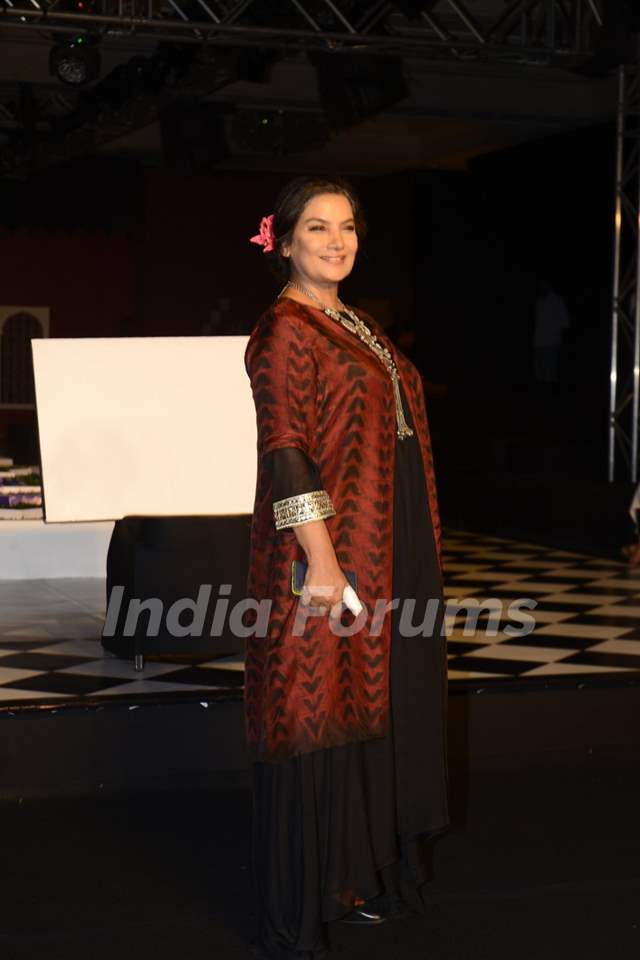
[174, 569]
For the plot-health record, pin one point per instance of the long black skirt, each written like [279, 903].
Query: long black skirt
[357, 820]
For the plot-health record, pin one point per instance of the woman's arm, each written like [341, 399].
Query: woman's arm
[296, 483]
[325, 580]
[281, 365]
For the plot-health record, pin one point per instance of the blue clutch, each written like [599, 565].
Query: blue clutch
[299, 572]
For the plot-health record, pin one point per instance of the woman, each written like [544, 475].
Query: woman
[345, 717]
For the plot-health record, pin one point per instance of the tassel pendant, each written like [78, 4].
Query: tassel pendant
[404, 430]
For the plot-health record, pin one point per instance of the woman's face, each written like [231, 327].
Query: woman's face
[324, 241]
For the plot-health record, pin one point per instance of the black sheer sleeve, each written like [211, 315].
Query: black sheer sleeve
[296, 488]
[292, 472]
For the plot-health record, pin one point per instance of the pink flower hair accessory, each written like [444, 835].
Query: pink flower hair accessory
[266, 237]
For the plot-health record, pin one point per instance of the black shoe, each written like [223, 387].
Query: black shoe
[364, 915]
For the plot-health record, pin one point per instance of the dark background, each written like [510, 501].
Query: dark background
[119, 249]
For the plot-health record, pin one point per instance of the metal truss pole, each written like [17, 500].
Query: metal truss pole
[624, 382]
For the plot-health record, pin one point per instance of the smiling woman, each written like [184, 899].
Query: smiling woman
[331, 211]
[323, 246]
[345, 723]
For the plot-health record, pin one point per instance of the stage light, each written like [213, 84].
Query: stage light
[75, 61]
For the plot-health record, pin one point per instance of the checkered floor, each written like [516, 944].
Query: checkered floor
[586, 612]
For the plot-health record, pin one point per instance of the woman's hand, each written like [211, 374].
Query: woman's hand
[324, 584]
[325, 581]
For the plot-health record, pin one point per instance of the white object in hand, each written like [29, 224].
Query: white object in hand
[350, 600]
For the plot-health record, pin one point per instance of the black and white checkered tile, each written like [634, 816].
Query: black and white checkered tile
[586, 612]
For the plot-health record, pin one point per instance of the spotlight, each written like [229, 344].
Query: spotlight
[75, 61]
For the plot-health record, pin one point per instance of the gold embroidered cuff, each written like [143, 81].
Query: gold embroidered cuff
[293, 511]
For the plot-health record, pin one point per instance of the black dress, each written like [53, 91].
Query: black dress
[357, 819]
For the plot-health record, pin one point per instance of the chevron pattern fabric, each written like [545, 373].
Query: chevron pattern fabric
[318, 388]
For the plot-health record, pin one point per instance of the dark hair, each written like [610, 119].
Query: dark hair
[289, 205]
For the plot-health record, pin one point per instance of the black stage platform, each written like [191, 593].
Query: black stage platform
[542, 861]
[125, 796]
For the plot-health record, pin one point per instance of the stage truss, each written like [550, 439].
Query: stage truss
[189, 49]
[523, 31]
[624, 392]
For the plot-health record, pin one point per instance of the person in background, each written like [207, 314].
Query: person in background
[550, 326]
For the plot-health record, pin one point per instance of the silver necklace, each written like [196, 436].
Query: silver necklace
[354, 324]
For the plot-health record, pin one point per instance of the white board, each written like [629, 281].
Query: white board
[145, 426]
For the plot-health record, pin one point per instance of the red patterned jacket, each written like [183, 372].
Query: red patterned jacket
[317, 387]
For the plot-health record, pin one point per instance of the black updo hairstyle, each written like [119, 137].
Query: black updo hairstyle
[289, 205]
